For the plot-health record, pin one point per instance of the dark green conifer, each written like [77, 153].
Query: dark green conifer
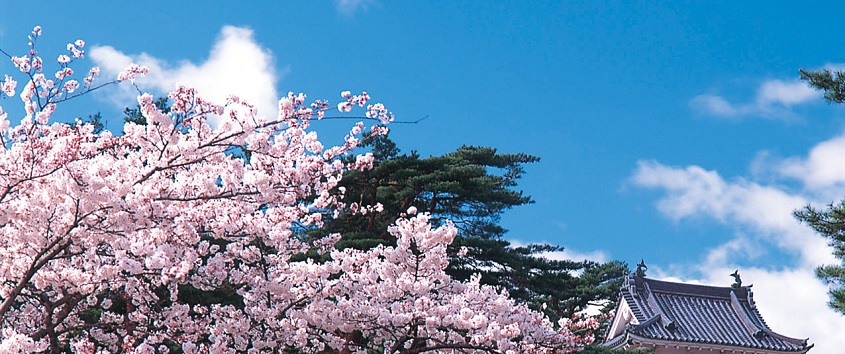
[830, 223]
[471, 186]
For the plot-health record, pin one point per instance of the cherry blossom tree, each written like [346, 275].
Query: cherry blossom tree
[103, 237]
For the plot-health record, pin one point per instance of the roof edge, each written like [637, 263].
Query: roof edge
[637, 339]
[616, 342]
[796, 341]
[743, 316]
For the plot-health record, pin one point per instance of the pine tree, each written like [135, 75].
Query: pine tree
[830, 223]
[472, 187]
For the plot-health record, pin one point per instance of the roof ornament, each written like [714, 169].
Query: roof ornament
[671, 327]
[641, 268]
[737, 281]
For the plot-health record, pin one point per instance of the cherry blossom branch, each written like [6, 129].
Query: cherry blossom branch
[135, 227]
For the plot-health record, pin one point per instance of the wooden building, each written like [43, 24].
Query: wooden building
[686, 318]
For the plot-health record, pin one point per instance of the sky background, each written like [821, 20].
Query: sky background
[677, 133]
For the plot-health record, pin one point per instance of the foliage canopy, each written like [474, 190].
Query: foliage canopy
[829, 222]
[471, 186]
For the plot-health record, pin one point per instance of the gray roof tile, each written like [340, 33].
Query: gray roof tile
[700, 314]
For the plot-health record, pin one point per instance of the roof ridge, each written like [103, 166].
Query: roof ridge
[665, 320]
[644, 324]
[664, 286]
[756, 311]
[743, 317]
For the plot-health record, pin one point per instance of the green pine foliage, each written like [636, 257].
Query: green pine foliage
[97, 121]
[829, 223]
[831, 82]
[133, 115]
[471, 186]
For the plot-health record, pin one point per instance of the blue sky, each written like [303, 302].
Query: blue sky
[677, 133]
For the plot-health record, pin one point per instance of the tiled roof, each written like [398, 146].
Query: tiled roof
[698, 314]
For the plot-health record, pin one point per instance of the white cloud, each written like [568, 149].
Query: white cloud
[774, 99]
[716, 105]
[834, 66]
[350, 7]
[691, 190]
[790, 297]
[742, 247]
[777, 92]
[822, 169]
[237, 64]
[763, 209]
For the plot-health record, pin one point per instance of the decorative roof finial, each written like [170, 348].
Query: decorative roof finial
[641, 268]
[671, 327]
[737, 281]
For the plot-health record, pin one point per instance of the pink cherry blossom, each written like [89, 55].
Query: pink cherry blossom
[37, 64]
[131, 72]
[8, 86]
[102, 234]
[71, 85]
[22, 63]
